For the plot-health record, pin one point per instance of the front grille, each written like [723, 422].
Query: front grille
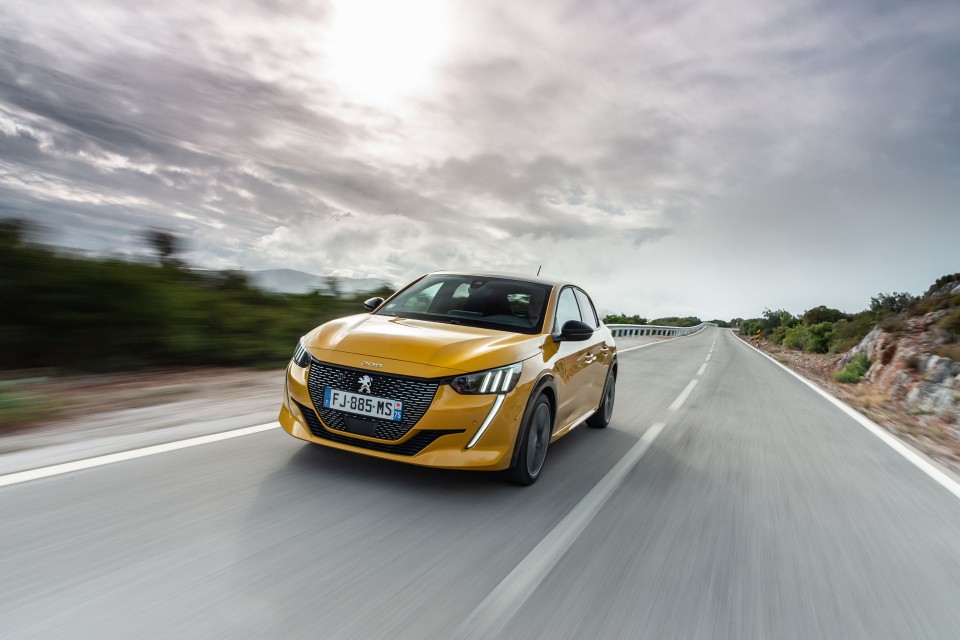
[411, 447]
[416, 395]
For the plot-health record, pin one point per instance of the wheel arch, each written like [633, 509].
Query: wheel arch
[545, 385]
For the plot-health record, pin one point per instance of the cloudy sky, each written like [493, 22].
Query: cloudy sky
[676, 157]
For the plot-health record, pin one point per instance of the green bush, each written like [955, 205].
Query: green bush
[80, 314]
[822, 314]
[951, 324]
[778, 335]
[848, 333]
[799, 338]
[855, 369]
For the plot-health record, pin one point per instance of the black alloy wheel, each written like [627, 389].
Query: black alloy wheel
[601, 418]
[533, 440]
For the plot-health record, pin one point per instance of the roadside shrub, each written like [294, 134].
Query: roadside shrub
[822, 336]
[855, 369]
[848, 333]
[813, 339]
[798, 337]
[821, 314]
[933, 303]
[778, 335]
[749, 327]
[892, 324]
[951, 324]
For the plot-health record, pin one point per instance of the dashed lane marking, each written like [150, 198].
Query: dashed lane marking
[493, 614]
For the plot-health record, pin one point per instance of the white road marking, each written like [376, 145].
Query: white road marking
[644, 345]
[498, 608]
[703, 368]
[709, 355]
[683, 396]
[99, 461]
[916, 459]
[662, 341]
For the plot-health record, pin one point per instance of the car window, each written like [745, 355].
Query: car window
[567, 309]
[421, 300]
[483, 301]
[586, 309]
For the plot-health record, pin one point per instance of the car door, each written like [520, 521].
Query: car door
[571, 363]
[598, 355]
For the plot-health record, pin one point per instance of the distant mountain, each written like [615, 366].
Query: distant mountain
[291, 281]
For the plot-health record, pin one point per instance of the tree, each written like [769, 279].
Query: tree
[891, 302]
[167, 245]
[822, 314]
[334, 286]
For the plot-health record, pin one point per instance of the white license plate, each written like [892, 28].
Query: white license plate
[363, 405]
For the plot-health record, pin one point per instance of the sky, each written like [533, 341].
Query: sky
[681, 157]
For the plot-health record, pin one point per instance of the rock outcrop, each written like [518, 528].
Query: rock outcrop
[905, 365]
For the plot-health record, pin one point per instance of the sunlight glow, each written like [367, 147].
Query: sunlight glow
[380, 52]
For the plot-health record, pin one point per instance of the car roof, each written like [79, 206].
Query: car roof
[512, 276]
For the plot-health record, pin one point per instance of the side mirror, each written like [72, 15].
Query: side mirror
[372, 303]
[575, 331]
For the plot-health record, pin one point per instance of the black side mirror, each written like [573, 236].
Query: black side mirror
[372, 303]
[575, 331]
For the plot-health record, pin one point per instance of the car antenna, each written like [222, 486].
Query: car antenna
[538, 269]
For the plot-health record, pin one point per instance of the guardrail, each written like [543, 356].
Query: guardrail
[623, 330]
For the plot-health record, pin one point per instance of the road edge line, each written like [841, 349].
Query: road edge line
[915, 458]
[110, 458]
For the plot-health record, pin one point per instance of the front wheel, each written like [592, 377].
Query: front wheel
[601, 418]
[533, 440]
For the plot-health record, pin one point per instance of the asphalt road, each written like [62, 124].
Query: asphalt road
[758, 510]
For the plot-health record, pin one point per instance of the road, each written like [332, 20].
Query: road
[750, 508]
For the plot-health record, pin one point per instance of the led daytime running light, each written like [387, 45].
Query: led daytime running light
[501, 380]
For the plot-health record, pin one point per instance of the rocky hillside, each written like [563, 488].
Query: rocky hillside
[915, 357]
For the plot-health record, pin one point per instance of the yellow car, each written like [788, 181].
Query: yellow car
[456, 370]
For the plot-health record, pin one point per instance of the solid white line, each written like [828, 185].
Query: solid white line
[916, 459]
[662, 341]
[708, 357]
[99, 461]
[645, 345]
[703, 368]
[683, 396]
[498, 608]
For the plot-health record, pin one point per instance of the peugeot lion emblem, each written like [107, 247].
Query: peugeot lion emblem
[365, 382]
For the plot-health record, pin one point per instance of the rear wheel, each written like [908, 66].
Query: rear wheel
[533, 441]
[601, 418]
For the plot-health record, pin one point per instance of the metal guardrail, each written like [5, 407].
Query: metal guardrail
[624, 330]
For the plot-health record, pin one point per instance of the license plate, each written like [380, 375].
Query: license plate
[363, 405]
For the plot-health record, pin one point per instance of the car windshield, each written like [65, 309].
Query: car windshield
[479, 301]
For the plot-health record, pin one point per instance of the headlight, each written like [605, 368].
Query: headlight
[301, 357]
[501, 380]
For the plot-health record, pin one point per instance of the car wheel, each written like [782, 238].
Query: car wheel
[533, 441]
[601, 418]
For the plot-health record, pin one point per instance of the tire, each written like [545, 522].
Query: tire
[533, 440]
[601, 418]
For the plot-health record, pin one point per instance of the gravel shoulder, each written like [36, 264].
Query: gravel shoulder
[85, 416]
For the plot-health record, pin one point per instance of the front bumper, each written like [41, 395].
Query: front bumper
[438, 439]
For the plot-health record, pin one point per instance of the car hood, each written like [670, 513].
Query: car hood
[446, 346]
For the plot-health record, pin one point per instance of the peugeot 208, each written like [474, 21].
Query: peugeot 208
[456, 370]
